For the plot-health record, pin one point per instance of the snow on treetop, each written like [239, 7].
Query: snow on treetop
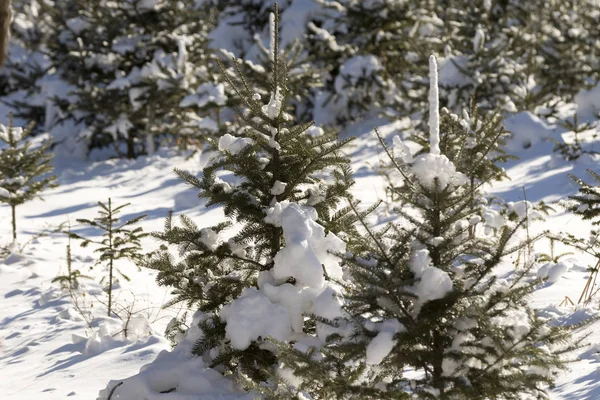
[273, 36]
[429, 167]
[434, 108]
[16, 132]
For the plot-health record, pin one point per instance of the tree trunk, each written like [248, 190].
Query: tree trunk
[110, 279]
[5, 14]
[130, 146]
[14, 219]
[110, 246]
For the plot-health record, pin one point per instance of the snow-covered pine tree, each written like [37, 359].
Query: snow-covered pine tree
[25, 168]
[119, 241]
[425, 296]
[487, 54]
[23, 77]
[587, 202]
[571, 55]
[520, 55]
[374, 52]
[260, 273]
[131, 63]
[247, 27]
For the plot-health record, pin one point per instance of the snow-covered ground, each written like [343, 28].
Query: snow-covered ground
[54, 346]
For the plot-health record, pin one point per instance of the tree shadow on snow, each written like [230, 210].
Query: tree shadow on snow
[63, 211]
[589, 387]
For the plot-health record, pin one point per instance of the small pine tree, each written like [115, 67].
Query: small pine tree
[119, 241]
[24, 169]
[425, 297]
[586, 204]
[278, 195]
[70, 280]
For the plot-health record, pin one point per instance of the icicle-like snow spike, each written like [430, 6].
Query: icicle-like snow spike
[434, 108]
[273, 34]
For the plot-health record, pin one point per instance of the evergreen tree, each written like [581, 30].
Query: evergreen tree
[119, 241]
[587, 202]
[24, 169]
[570, 53]
[373, 53]
[25, 79]
[259, 280]
[70, 280]
[425, 296]
[486, 54]
[131, 64]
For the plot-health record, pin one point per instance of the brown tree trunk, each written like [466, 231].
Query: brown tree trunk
[130, 146]
[14, 222]
[5, 14]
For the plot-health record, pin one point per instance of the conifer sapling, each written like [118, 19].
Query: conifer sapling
[425, 296]
[24, 169]
[586, 204]
[263, 279]
[119, 241]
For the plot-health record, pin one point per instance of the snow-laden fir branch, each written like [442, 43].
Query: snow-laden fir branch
[434, 108]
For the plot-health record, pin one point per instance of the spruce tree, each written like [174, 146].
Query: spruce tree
[374, 54]
[261, 278]
[425, 296]
[586, 204]
[25, 77]
[130, 63]
[24, 169]
[119, 241]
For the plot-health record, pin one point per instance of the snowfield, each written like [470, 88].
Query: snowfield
[57, 346]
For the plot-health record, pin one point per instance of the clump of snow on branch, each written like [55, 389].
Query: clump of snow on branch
[253, 315]
[307, 246]
[278, 188]
[429, 168]
[277, 308]
[384, 342]
[232, 144]
[432, 283]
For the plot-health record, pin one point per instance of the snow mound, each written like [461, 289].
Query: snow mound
[527, 130]
[179, 373]
[552, 272]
